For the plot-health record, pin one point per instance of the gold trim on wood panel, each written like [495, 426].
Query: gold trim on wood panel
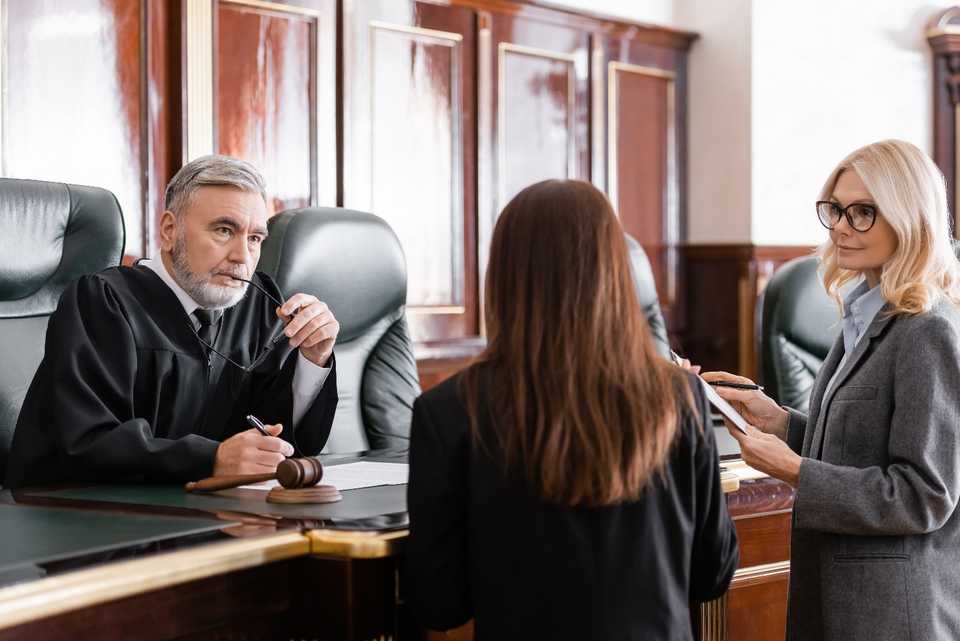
[598, 171]
[502, 50]
[713, 620]
[672, 186]
[956, 168]
[3, 81]
[275, 6]
[446, 37]
[756, 574]
[198, 80]
[356, 545]
[453, 41]
[486, 202]
[322, 172]
[84, 588]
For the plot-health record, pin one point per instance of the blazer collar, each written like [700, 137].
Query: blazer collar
[880, 322]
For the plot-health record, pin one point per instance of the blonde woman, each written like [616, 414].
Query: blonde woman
[876, 464]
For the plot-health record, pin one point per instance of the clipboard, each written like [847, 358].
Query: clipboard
[723, 406]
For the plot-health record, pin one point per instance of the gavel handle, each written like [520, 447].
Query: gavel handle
[226, 482]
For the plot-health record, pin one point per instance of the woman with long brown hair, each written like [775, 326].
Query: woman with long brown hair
[565, 486]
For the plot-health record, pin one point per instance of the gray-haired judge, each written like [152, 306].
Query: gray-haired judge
[149, 371]
[875, 550]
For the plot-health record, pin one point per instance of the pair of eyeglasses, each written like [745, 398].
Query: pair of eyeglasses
[266, 349]
[860, 216]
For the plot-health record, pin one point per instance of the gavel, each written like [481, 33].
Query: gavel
[292, 473]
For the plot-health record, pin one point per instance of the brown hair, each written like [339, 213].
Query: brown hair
[579, 400]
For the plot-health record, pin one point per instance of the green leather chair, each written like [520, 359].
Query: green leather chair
[353, 261]
[798, 323]
[646, 288]
[52, 233]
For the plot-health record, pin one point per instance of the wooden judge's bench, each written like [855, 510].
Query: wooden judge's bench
[157, 563]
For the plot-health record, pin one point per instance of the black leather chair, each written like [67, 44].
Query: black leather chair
[50, 234]
[647, 294]
[798, 324]
[353, 261]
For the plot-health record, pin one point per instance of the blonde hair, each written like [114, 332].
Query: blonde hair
[911, 196]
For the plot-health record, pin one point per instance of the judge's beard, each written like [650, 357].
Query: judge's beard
[205, 293]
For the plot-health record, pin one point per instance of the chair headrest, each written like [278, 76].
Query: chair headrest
[53, 233]
[349, 259]
[797, 307]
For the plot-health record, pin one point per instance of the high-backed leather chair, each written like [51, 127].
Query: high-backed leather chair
[798, 324]
[353, 261]
[647, 294]
[50, 234]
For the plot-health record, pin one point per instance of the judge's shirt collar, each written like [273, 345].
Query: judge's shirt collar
[160, 269]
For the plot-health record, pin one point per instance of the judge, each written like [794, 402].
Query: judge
[149, 371]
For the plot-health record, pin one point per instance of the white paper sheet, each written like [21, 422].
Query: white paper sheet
[353, 476]
[724, 407]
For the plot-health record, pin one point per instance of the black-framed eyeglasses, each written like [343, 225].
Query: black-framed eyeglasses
[860, 216]
[267, 349]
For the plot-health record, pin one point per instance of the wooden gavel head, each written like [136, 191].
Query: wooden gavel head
[299, 472]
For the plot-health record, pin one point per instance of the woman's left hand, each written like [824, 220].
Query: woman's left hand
[768, 454]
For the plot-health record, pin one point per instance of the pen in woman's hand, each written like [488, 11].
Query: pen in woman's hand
[747, 386]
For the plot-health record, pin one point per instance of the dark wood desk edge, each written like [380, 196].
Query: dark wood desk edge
[70, 591]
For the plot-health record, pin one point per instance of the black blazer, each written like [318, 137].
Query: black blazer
[483, 546]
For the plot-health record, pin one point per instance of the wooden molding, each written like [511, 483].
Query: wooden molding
[84, 588]
[356, 545]
[599, 23]
[757, 574]
[198, 80]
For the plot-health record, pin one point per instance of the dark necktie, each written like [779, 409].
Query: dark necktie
[208, 324]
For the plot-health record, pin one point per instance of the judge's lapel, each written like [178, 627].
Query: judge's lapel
[876, 328]
[830, 364]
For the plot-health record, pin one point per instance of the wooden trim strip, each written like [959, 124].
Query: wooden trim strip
[3, 79]
[84, 588]
[356, 545]
[757, 574]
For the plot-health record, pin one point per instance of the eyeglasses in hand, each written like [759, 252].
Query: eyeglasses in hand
[266, 349]
[860, 216]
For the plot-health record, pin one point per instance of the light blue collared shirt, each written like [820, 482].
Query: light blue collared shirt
[860, 307]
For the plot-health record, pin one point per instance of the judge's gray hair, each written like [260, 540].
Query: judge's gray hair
[211, 170]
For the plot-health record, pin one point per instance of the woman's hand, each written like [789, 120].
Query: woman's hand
[768, 454]
[755, 406]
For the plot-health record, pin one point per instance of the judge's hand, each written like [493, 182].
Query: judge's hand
[311, 326]
[250, 452]
[767, 453]
[755, 406]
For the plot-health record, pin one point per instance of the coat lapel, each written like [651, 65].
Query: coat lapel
[830, 363]
[876, 328]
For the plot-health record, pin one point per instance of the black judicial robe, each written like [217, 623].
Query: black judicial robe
[126, 391]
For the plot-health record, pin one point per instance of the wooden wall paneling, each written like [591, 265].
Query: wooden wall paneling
[722, 286]
[645, 163]
[410, 149]
[97, 107]
[756, 603]
[163, 121]
[270, 92]
[943, 35]
[541, 109]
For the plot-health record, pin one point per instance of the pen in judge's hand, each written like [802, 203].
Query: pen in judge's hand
[257, 423]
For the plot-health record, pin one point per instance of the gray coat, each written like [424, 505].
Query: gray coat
[876, 536]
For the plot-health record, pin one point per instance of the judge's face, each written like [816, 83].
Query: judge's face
[866, 252]
[217, 236]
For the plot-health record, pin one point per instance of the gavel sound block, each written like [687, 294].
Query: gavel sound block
[298, 478]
